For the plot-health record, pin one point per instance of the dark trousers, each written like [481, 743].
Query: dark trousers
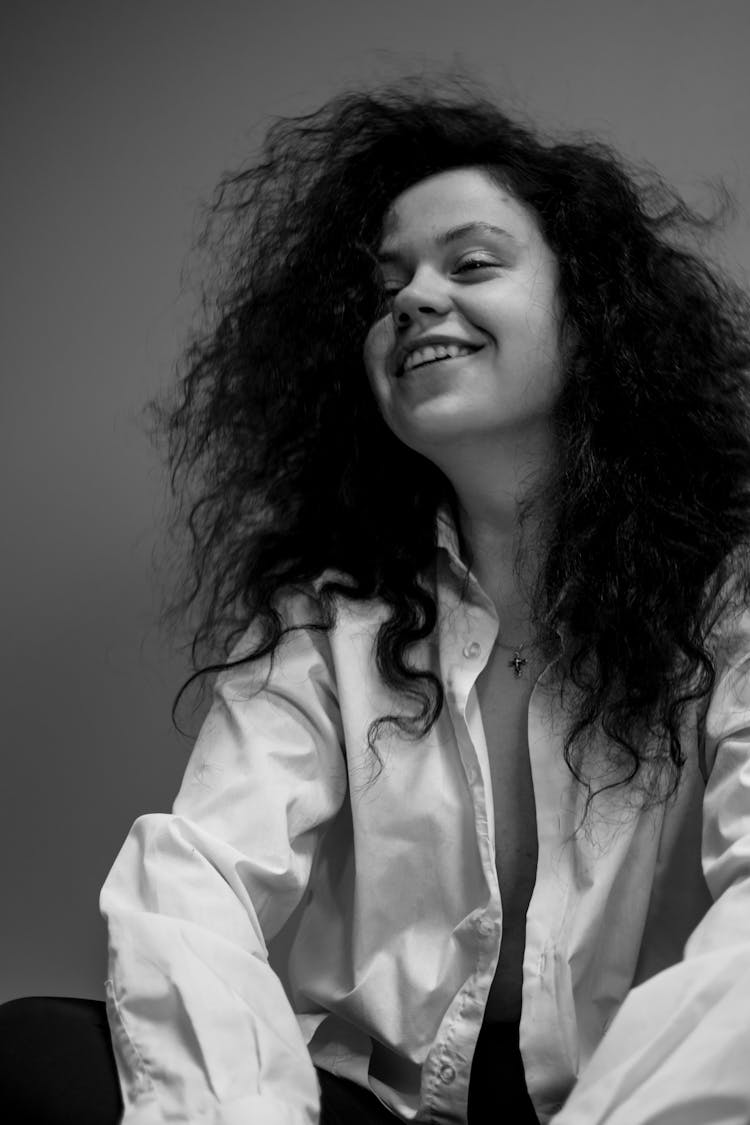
[57, 1068]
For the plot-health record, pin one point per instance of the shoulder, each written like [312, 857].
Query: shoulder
[313, 613]
[728, 600]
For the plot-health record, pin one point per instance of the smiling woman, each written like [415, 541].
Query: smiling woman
[464, 463]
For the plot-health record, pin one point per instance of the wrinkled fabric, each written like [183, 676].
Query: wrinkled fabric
[302, 906]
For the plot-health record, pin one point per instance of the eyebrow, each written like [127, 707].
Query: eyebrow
[453, 234]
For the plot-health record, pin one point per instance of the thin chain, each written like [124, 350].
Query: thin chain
[510, 648]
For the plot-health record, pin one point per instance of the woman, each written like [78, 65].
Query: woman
[465, 458]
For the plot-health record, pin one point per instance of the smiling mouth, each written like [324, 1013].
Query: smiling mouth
[434, 353]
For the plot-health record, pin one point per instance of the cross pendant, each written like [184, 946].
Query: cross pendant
[517, 664]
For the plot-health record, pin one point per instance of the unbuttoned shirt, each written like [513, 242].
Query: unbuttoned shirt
[304, 905]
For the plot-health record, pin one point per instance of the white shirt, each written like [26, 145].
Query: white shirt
[299, 908]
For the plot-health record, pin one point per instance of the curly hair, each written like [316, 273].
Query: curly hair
[283, 469]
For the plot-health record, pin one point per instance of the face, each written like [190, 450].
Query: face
[470, 347]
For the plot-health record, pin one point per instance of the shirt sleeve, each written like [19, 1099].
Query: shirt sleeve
[678, 1050]
[201, 1026]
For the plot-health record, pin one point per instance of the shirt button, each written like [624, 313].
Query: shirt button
[472, 651]
[447, 1074]
[486, 926]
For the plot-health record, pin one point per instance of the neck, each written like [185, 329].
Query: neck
[501, 524]
[505, 560]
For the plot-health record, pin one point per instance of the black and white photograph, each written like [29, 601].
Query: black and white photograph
[375, 562]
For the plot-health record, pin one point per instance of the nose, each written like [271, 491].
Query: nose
[424, 296]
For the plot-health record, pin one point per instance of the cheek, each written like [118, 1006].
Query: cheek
[378, 345]
[543, 320]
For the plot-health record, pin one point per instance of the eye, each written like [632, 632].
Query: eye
[470, 264]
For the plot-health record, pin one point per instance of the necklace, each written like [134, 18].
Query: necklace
[517, 661]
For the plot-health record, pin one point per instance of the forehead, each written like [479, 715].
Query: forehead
[454, 198]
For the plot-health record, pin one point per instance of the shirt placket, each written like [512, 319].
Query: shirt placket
[466, 647]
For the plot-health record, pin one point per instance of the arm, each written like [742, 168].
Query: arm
[678, 1051]
[202, 1029]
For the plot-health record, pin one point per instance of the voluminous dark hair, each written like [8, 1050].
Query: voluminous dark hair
[283, 467]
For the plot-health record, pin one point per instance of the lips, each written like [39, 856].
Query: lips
[428, 353]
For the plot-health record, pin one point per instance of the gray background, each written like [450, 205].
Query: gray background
[116, 120]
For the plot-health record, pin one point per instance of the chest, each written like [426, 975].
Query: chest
[504, 702]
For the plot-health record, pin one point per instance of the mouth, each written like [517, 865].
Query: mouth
[432, 354]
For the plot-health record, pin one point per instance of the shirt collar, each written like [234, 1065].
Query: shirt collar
[447, 537]
[447, 540]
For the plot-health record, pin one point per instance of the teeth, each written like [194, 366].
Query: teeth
[435, 351]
